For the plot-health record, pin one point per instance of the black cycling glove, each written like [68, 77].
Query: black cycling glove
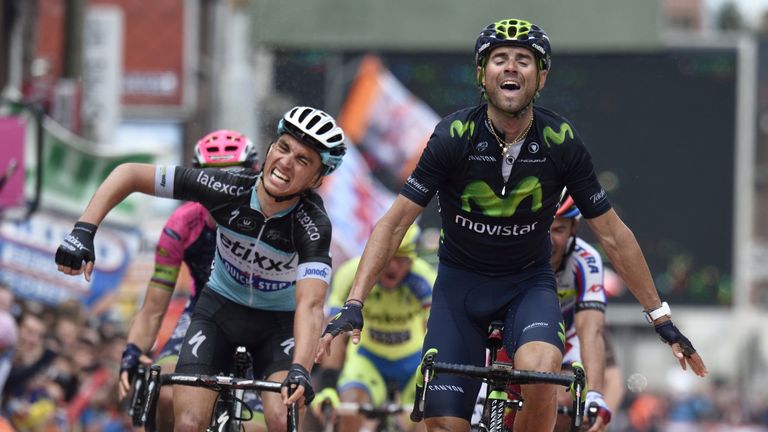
[349, 318]
[299, 376]
[671, 335]
[77, 246]
[130, 360]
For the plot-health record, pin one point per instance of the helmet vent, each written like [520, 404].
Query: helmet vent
[325, 128]
[336, 138]
[304, 115]
[312, 122]
[230, 148]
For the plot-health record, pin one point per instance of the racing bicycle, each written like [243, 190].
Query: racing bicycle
[498, 377]
[230, 410]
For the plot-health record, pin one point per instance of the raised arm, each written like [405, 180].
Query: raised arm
[624, 253]
[121, 182]
[78, 245]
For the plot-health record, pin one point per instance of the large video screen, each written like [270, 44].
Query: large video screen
[660, 127]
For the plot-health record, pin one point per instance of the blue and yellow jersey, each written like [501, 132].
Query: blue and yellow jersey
[394, 319]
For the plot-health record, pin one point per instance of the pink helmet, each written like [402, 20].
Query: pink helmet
[225, 148]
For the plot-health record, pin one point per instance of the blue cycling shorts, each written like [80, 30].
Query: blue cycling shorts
[464, 304]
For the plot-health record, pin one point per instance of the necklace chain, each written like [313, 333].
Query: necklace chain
[506, 145]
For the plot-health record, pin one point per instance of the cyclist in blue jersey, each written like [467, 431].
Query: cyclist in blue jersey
[188, 237]
[272, 260]
[498, 170]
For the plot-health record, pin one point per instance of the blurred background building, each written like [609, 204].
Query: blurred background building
[671, 96]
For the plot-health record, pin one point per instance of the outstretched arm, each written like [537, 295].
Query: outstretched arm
[624, 253]
[381, 246]
[121, 182]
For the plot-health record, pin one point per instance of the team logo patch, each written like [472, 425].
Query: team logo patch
[481, 146]
[245, 223]
[533, 147]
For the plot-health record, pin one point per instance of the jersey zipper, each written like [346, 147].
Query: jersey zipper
[255, 248]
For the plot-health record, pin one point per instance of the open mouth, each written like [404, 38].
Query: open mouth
[276, 174]
[510, 85]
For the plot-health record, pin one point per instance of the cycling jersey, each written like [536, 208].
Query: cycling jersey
[187, 238]
[580, 287]
[492, 225]
[258, 259]
[394, 319]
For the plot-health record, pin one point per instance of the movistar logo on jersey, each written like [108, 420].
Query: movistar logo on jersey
[459, 128]
[212, 183]
[478, 194]
[552, 137]
[494, 229]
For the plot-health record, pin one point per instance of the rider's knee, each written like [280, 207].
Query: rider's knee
[275, 421]
[189, 423]
[539, 356]
[275, 415]
[446, 424]
[165, 400]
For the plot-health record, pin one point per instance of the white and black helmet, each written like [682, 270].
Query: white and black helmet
[317, 129]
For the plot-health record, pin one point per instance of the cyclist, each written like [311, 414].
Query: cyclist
[389, 349]
[272, 260]
[188, 237]
[578, 271]
[498, 169]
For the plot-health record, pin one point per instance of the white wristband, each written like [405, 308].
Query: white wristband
[653, 315]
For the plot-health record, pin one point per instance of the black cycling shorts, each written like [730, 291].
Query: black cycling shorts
[464, 304]
[219, 325]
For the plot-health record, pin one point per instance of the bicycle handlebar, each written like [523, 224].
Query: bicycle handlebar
[219, 382]
[147, 382]
[497, 373]
[503, 374]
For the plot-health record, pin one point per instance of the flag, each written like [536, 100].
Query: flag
[354, 200]
[390, 125]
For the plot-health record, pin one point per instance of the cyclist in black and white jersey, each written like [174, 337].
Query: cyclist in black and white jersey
[272, 260]
[498, 170]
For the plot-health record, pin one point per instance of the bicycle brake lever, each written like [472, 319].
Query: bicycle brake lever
[592, 413]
